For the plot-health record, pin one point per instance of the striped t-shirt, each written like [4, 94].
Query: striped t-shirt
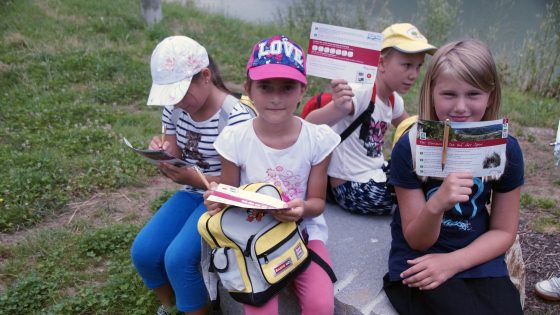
[196, 139]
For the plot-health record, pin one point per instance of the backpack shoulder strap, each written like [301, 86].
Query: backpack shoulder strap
[225, 110]
[358, 121]
[248, 103]
[319, 97]
[175, 115]
[412, 133]
[323, 264]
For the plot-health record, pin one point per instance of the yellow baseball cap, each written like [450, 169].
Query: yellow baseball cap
[406, 38]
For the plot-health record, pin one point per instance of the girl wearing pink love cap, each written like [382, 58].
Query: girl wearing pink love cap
[279, 147]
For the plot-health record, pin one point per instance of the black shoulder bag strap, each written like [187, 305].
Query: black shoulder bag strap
[323, 264]
[360, 119]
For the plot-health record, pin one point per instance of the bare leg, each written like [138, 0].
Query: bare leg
[200, 311]
[165, 295]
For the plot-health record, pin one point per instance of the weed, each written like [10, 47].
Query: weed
[63, 273]
[30, 293]
[530, 201]
[546, 224]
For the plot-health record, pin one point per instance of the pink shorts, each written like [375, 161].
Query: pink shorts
[313, 288]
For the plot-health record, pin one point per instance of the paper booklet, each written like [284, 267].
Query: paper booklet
[336, 52]
[245, 199]
[477, 147]
[157, 156]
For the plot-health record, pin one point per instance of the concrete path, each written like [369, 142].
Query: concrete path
[359, 247]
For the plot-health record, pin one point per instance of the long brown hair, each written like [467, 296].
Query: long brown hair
[468, 60]
[216, 76]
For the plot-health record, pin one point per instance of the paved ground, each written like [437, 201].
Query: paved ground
[359, 247]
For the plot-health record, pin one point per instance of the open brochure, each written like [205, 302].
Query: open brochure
[343, 53]
[156, 156]
[238, 197]
[477, 147]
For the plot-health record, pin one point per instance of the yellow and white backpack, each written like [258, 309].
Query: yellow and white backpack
[254, 255]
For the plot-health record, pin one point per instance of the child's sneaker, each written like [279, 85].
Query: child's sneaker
[162, 311]
[549, 289]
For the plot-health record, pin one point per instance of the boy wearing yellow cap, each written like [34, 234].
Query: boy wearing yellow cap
[357, 169]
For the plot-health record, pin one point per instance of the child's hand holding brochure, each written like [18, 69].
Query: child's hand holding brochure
[476, 147]
[337, 52]
[157, 156]
[245, 199]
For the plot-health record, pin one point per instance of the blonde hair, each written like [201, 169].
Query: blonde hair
[468, 60]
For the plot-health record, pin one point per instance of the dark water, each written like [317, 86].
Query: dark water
[504, 24]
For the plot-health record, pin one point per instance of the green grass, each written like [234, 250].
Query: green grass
[75, 78]
[547, 210]
[85, 272]
[545, 203]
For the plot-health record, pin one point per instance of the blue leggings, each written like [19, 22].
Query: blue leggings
[167, 250]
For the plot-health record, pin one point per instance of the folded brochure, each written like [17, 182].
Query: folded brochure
[476, 147]
[157, 156]
[245, 199]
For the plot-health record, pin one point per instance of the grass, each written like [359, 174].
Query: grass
[548, 210]
[75, 78]
[73, 97]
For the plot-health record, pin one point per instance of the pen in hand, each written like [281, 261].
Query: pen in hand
[202, 177]
[445, 143]
[162, 134]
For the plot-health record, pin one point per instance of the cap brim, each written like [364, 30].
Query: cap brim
[168, 94]
[274, 71]
[413, 48]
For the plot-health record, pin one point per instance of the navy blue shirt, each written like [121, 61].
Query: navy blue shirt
[460, 225]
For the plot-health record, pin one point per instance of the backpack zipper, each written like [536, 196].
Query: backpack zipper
[275, 247]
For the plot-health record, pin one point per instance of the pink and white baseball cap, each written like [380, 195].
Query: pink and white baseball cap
[277, 57]
[175, 60]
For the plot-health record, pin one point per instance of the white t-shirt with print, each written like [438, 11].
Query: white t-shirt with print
[351, 160]
[291, 166]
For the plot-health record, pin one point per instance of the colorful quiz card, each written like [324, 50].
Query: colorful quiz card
[336, 52]
[476, 147]
[245, 199]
